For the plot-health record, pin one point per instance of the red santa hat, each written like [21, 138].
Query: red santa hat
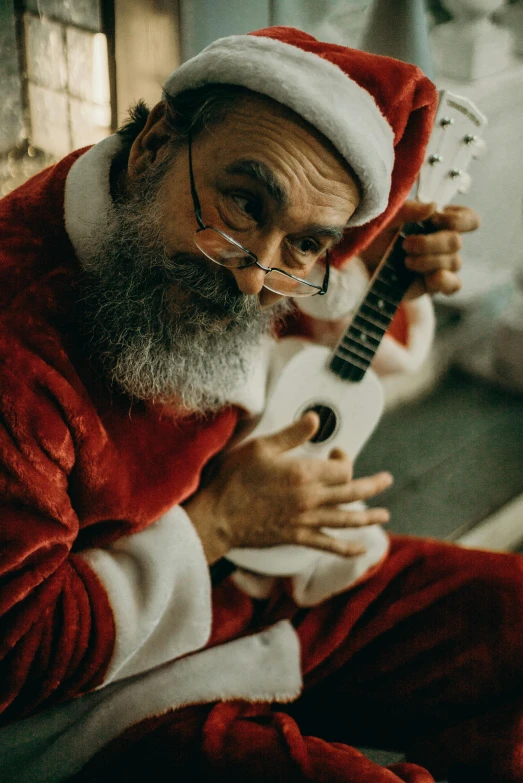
[376, 111]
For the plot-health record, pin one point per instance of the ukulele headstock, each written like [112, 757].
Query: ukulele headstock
[455, 141]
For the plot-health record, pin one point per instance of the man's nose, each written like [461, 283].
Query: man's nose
[249, 279]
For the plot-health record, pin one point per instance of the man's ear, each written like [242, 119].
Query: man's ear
[150, 141]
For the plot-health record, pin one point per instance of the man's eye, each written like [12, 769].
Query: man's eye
[307, 245]
[248, 205]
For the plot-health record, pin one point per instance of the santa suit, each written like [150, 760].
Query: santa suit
[106, 593]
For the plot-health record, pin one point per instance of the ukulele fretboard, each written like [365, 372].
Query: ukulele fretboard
[356, 349]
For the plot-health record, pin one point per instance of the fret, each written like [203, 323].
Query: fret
[359, 317]
[351, 349]
[349, 343]
[363, 337]
[390, 293]
[354, 360]
[389, 275]
[380, 304]
[394, 267]
[364, 345]
[365, 342]
[391, 285]
[370, 314]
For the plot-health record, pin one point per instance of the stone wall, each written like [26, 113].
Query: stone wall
[67, 74]
[54, 83]
[11, 115]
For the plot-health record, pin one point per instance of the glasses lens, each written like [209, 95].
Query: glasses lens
[220, 250]
[279, 283]
[225, 252]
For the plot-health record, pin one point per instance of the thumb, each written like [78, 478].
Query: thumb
[413, 212]
[294, 435]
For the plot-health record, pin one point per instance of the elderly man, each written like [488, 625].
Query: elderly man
[142, 282]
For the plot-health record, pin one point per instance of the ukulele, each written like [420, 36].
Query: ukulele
[339, 385]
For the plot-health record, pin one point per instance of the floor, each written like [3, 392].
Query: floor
[456, 453]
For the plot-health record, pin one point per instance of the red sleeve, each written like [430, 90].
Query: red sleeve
[399, 327]
[57, 630]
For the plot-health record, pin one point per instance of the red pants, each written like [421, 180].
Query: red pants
[425, 657]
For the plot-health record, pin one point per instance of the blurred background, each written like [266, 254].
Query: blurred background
[69, 69]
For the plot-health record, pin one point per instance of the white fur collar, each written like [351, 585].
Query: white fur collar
[88, 206]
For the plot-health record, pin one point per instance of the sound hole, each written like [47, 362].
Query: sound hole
[328, 421]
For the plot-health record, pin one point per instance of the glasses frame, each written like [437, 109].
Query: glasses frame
[320, 290]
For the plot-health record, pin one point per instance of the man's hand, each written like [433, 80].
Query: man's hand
[261, 496]
[435, 257]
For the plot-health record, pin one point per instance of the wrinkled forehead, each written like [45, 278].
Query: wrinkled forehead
[274, 147]
[314, 86]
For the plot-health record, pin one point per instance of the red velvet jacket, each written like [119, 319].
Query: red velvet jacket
[79, 465]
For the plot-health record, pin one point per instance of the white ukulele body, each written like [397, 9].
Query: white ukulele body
[303, 382]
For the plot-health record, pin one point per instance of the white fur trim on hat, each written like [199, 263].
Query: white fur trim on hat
[317, 90]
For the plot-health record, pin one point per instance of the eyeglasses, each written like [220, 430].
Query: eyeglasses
[226, 251]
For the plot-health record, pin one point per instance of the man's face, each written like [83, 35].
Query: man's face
[170, 325]
[268, 180]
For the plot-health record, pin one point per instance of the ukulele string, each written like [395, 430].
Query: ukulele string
[349, 370]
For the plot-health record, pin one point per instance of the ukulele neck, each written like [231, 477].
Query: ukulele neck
[355, 351]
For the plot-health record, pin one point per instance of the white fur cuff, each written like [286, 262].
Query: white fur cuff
[160, 592]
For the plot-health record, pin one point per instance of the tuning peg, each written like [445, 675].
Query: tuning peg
[464, 179]
[477, 144]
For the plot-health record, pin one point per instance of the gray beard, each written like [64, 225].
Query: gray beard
[195, 352]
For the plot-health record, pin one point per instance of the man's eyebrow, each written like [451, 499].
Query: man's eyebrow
[264, 176]
[330, 232]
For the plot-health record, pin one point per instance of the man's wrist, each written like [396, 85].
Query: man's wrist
[200, 509]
